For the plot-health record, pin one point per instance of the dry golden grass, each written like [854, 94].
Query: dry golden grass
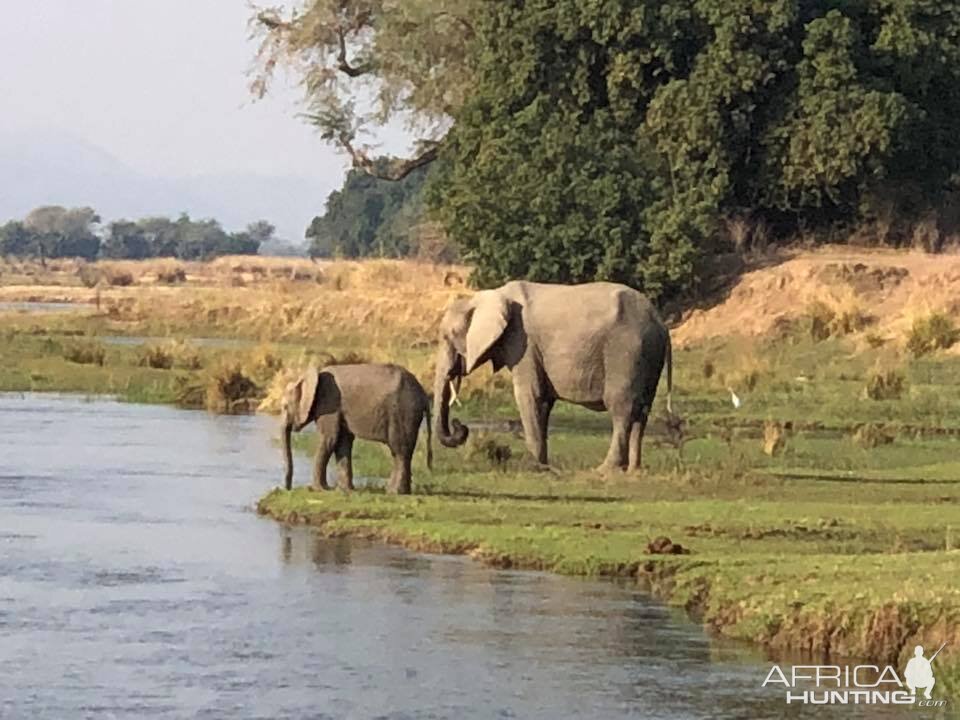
[377, 303]
[880, 291]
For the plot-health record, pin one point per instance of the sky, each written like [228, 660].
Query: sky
[161, 86]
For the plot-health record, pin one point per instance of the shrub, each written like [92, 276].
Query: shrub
[708, 369]
[871, 435]
[86, 353]
[120, 278]
[89, 276]
[485, 448]
[933, 332]
[157, 357]
[885, 385]
[263, 364]
[230, 391]
[843, 317]
[172, 276]
[185, 355]
[774, 437]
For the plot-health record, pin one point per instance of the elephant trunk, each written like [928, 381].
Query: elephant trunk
[449, 369]
[287, 454]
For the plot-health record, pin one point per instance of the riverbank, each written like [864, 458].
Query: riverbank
[801, 566]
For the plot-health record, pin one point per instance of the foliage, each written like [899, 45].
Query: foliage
[885, 385]
[933, 332]
[612, 140]
[126, 240]
[85, 353]
[608, 140]
[368, 216]
[412, 55]
[54, 232]
[229, 390]
[872, 435]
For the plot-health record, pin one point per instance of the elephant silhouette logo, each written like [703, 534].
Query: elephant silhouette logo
[919, 672]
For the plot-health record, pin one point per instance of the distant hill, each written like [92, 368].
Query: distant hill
[52, 168]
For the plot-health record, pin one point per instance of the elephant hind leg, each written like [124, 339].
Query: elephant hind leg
[344, 453]
[400, 482]
[617, 456]
[636, 441]
[325, 447]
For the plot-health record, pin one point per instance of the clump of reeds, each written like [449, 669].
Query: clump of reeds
[486, 448]
[775, 437]
[872, 435]
[935, 331]
[836, 316]
[229, 390]
[85, 353]
[885, 384]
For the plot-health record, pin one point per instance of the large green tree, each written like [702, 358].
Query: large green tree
[608, 139]
[368, 216]
[63, 232]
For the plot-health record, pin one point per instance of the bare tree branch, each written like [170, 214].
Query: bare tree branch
[343, 65]
[399, 169]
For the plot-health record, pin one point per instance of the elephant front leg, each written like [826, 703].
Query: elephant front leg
[535, 417]
[324, 451]
[344, 453]
[320, 470]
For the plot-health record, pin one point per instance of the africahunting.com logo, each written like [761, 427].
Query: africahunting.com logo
[859, 684]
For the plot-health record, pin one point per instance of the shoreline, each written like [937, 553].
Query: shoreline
[714, 591]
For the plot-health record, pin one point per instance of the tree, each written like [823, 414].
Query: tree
[363, 218]
[607, 140]
[199, 240]
[126, 239]
[162, 234]
[412, 54]
[63, 232]
[17, 240]
[262, 231]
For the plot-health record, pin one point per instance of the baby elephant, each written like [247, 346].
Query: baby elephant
[384, 403]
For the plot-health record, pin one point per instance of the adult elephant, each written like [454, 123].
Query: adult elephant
[599, 345]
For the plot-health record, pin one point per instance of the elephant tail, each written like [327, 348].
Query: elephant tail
[426, 412]
[669, 376]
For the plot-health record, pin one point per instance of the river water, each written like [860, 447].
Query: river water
[136, 582]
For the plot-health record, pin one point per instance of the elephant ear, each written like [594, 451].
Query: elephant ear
[308, 395]
[489, 320]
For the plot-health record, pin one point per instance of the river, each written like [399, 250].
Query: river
[137, 582]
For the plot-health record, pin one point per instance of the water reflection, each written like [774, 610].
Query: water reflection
[41, 307]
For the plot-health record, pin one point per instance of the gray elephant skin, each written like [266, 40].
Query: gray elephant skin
[383, 403]
[599, 345]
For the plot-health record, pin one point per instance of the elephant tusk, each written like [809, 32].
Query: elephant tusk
[454, 400]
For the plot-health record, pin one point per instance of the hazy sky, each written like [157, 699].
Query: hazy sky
[159, 84]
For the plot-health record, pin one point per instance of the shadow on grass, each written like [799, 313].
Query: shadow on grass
[536, 497]
[859, 479]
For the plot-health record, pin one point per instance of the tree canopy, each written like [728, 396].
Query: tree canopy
[579, 140]
[53, 231]
[368, 216]
[365, 62]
